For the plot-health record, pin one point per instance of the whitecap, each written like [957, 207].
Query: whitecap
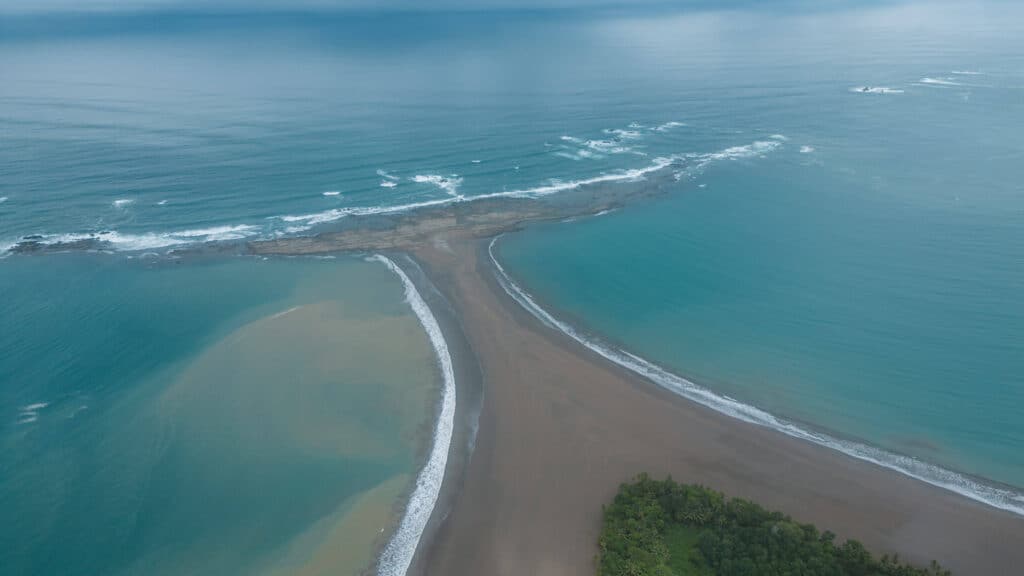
[996, 497]
[669, 126]
[598, 148]
[388, 183]
[162, 203]
[399, 551]
[387, 176]
[875, 90]
[475, 161]
[449, 184]
[331, 193]
[3, 199]
[30, 413]
[967, 73]
[806, 149]
[123, 202]
[623, 134]
[939, 82]
[779, 137]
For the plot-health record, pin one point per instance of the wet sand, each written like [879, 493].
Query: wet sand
[561, 428]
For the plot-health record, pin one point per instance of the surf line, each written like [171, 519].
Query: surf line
[400, 550]
[997, 497]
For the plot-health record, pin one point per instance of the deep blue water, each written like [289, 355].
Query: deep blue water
[848, 259]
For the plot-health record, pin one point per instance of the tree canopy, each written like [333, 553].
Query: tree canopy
[662, 528]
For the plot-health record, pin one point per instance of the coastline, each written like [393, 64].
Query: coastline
[561, 427]
[556, 405]
[453, 428]
[979, 489]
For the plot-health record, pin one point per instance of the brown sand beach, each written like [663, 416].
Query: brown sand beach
[562, 427]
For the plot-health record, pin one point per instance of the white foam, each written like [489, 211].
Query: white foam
[597, 149]
[967, 73]
[388, 183]
[875, 90]
[449, 184]
[3, 199]
[123, 202]
[699, 162]
[806, 149]
[475, 161]
[939, 82]
[155, 240]
[30, 413]
[331, 193]
[623, 134]
[285, 312]
[310, 220]
[996, 497]
[385, 175]
[162, 203]
[669, 126]
[399, 551]
[779, 137]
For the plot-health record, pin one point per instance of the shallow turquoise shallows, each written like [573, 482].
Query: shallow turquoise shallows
[234, 417]
[840, 242]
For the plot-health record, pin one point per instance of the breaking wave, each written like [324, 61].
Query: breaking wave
[399, 552]
[939, 82]
[690, 165]
[448, 184]
[875, 90]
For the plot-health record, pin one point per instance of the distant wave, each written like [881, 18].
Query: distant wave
[399, 552]
[692, 165]
[939, 82]
[668, 126]
[3, 199]
[331, 193]
[623, 134]
[580, 148]
[123, 202]
[389, 180]
[875, 90]
[996, 497]
[806, 149]
[30, 413]
[967, 73]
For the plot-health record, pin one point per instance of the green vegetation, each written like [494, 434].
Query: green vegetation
[661, 528]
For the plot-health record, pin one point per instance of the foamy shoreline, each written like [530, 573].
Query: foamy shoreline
[398, 554]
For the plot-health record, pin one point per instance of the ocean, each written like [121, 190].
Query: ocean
[839, 244]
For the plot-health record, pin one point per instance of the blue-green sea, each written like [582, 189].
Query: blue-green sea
[840, 243]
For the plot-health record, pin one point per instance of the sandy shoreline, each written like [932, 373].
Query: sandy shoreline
[560, 428]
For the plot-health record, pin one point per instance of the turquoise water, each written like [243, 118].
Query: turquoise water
[217, 417]
[849, 259]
